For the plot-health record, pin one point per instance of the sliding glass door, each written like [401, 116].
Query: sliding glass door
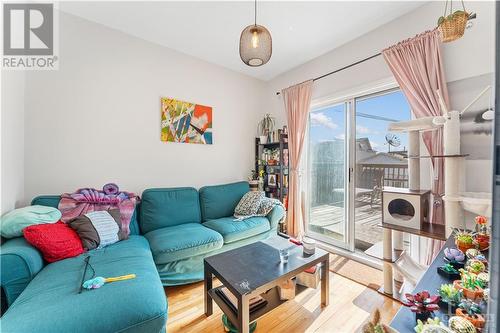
[380, 160]
[351, 156]
[327, 166]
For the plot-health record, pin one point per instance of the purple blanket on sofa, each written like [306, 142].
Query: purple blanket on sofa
[87, 200]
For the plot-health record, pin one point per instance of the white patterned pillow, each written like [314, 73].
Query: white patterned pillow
[249, 204]
[267, 205]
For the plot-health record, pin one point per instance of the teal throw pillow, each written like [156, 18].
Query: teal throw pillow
[13, 223]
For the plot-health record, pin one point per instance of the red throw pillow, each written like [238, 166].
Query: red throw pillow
[56, 241]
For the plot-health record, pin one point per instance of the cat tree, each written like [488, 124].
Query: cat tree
[405, 219]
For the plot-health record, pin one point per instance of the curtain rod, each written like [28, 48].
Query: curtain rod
[341, 69]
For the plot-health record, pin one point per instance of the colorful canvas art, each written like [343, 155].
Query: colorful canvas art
[185, 122]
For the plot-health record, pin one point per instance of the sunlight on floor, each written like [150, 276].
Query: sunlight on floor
[350, 306]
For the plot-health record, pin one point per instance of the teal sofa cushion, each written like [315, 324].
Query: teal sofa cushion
[166, 207]
[221, 200]
[51, 302]
[182, 241]
[19, 263]
[233, 231]
[190, 270]
[53, 201]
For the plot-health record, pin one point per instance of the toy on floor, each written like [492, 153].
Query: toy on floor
[99, 281]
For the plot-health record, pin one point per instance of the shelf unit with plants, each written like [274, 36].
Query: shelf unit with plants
[271, 163]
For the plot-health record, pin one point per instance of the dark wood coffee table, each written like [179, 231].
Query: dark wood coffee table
[255, 269]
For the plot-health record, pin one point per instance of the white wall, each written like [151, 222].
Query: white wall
[470, 56]
[12, 140]
[97, 119]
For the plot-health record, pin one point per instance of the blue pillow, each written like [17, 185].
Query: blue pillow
[13, 223]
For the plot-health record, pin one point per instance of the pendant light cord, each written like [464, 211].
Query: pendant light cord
[255, 13]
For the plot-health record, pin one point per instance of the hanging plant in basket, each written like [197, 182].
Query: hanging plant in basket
[452, 24]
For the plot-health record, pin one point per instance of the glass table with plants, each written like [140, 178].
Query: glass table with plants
[452, 294]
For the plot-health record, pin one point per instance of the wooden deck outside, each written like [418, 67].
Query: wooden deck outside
[329, 220]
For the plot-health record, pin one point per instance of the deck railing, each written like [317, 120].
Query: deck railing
[327, 180]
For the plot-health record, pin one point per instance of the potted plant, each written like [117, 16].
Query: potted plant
[450, 296]
[482, 235]
[261, 180]
[471, 287]
[464, 240]
[472, 312]
[422, 304]
[253, 181]
[452, 24]
[475, 266]
[375, 325]
[433, 325]
[266, 126]
[455, 257]
[472, 253]
[449, 271]
[484, 279]
[461, 325]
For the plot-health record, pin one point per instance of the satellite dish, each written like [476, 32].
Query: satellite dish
[488, 114]
[392, 140]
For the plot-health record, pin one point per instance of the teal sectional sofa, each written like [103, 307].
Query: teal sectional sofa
[183, 226]
[172, 230]
[45, 297]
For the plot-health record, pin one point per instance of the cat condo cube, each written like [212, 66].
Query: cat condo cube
[404, 207]
[408, 207]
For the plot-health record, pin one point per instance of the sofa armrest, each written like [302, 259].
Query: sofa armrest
[275, 216]
[19, 263]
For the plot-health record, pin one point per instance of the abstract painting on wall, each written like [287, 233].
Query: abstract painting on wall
[185, 122]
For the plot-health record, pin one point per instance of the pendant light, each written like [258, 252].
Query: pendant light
[255, 44]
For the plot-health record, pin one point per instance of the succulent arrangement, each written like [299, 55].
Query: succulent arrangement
[470, 285]
[470, 280]
[483, 236]
[484, 278]
[450, 294]
[472, 312]
[448, 268]
[475, 266]
[374, 325]
[431, 325]
[472, 253]
[449, 271]
[464, 239]
[481, 223]
[454, 254]
[422, 302]
[461, 325]
[468, 267]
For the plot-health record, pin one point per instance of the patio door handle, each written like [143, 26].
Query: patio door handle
[351, 171]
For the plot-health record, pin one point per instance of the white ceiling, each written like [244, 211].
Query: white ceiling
[301, 31]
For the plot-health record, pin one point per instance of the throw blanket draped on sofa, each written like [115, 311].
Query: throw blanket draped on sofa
[266, 205]
[87, 200]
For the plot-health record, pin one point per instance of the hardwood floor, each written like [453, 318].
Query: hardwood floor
[350, 306]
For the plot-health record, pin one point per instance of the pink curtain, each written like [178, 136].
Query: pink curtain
[297, 101]
[417, 66]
